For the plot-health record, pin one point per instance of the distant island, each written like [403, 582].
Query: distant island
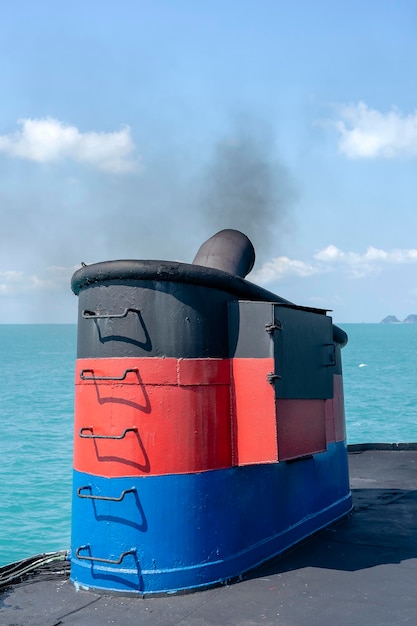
[391, 319]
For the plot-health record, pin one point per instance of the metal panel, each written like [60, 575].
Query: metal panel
[300, 341]
[304, 354]
[248, 323]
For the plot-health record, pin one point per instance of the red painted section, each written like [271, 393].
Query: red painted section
[330, 425]
[197, 372]
[339, 409]
[335, 413]
[253, 401]
[178, 428]
[148, 371]
[192, 415]
[301, 428]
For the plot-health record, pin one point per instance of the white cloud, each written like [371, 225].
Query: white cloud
[49, 140]
[13, 282]
[330, 259]
[368, 133]
[281, 267]
[331, 253]
[371, 261]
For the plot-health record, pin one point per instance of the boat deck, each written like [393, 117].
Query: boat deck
[362, 570]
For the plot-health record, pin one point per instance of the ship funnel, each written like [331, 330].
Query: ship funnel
[228, 250]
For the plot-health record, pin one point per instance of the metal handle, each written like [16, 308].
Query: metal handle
[122, 377]
[93, 436]
[101, 560]
[90, 496]
[88, 315]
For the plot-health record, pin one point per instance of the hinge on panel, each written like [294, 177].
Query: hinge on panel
[273, 326]
[271, 377]
[331, 355]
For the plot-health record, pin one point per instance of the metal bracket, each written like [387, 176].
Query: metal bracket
[122, 377]
[88, 315]
[93, 436]
[101, 560]
[90, 496]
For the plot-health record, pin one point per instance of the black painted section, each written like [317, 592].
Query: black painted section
[156, 308]
[248, 322]
[165, 271]
[168, 319]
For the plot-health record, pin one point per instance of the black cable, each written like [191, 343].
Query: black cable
[45, 562]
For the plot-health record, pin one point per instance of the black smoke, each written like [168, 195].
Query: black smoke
[246, 187]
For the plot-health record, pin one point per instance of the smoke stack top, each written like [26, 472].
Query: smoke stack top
[228, 250]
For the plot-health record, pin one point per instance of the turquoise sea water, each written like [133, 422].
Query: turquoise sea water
[380, 382]
[36, 413]
[36, 416]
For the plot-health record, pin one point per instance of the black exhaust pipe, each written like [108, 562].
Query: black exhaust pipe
[228, 250]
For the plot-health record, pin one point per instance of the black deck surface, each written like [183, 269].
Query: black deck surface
[361, 571]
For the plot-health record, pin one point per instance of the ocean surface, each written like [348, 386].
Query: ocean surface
[36, 412]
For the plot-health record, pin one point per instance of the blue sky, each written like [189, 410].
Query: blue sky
[137, 129]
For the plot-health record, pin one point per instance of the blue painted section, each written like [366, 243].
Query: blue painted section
[186, 531]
